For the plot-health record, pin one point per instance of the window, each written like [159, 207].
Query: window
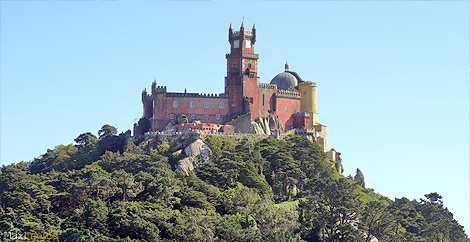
[234, 65]
[172, 116]
[217, 116]
[286, 109]
[221, 105]
[193, 116]
[249, 65]
[251, 100]
[305, 106]
[175, 104]
[206, 105]
[263, 99]
[191, 104]
[305, 92]
[206, 117]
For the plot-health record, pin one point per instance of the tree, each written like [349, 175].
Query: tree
[330, 212]
[107, 130]
[86, 140]
[376, 221]
[144, 125]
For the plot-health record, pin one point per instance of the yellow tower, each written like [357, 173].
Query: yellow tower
[308, 101]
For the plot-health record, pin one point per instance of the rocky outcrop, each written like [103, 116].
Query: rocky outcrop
[359, 178]
[267, 125]
[242, 124]
[197, 153]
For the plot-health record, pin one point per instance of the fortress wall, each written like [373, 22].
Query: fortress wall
[165, 108]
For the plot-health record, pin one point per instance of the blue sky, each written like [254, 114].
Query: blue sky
[392, 76]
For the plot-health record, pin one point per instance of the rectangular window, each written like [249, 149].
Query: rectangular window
[193, 116]
[172, 116]
[206, 117]
[217, 116]
[263, 99]
[251, 100]
[191, 104]
[206, 105]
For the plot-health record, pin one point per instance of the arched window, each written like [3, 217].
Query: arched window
[206, 105]
[175, 104]
[191, 104]
[172, 116]
[221, 105]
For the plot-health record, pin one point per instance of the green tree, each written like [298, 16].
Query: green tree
[107, 130]
[330, 212]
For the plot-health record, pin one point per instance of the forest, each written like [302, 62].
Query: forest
[110, 187]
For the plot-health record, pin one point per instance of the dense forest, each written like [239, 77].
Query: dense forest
[112, 188]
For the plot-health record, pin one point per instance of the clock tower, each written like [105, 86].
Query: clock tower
[241, 82]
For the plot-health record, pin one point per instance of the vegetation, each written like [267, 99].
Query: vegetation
[254, 189]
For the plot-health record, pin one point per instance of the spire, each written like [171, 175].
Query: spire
[286, 66]
[254, 27]
[243, 23]
[230, 26]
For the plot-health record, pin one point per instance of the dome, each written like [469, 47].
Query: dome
[285, 80]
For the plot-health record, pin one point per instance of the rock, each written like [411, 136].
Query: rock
[256, 128]
[170, 127]
[359, 178]
[198, 148]
[187, 164]
[197, 153]
[242, 124]
[267, 125]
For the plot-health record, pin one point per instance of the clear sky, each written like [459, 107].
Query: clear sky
[393, 76]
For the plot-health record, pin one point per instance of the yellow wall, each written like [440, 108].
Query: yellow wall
[308, 101]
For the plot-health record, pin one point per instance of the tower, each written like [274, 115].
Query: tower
[308, 102]
[241, 82]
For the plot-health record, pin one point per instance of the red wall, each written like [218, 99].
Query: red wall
[165, 108]
[285, 107]
[269, 102]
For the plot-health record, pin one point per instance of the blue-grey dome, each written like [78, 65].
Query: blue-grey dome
[285, 80]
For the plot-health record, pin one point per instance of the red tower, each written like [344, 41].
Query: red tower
[241, 83]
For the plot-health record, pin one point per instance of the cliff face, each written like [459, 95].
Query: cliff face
[266, 125]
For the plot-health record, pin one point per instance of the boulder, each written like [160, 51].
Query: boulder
[197, 153]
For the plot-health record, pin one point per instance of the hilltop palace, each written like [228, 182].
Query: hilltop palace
[246, 106]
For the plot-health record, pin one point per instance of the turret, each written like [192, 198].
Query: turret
[144, 94]
[253, 30]
[308, 102]
[230, 32]
[154, 86]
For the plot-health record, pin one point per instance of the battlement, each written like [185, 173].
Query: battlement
[301, 114]
[308, 83]
[288, 94]
[305, 132]
[244, 54]
[147, 98]
[267, 86]
[237, 33]
[159, 89]
[199, 95]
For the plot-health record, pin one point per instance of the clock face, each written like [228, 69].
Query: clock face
[247, 43]
[236, 44]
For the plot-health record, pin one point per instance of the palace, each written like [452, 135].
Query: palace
[286, 103]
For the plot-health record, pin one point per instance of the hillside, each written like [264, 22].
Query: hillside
[117, 188]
